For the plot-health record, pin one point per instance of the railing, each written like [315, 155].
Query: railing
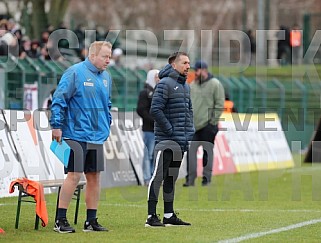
[297, 103]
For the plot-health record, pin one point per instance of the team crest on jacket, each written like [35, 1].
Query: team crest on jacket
[105, 82]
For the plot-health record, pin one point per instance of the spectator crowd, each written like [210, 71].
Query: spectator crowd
[13, 40]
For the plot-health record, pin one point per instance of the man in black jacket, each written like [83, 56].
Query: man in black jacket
[172, 111]
[143, 107]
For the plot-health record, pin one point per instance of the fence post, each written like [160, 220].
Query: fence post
[303, 90]
[279, 85]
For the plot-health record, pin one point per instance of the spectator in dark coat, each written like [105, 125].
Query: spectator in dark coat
[143, 107]
[249, 48]
[34, 51]
[284, 50]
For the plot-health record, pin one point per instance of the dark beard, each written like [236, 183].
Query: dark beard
[201, 79]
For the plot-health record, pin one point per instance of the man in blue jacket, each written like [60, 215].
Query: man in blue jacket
[172, 111]
[80, 114]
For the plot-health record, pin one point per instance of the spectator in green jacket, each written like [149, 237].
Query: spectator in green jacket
[207, 94]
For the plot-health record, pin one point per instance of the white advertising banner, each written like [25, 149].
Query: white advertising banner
[26, 142]
[123, 152]
[245, 142]
[25, 139]
[10, 167]
[248, 142]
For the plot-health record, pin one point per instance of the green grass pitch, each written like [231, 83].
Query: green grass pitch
[267, 206]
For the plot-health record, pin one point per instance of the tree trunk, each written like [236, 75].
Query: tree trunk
[57, 12]
[38, 18]
[7, 7]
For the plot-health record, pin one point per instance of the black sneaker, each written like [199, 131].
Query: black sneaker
[62, 226]
[205, 182]
[187, 185]
[174, 221]
[154, 221]
[93, 225]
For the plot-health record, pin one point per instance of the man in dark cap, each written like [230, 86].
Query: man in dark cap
[207, 94]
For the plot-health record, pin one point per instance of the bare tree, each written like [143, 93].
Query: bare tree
[34, 19]
[6, 4]
[57, 11]
[38, 18]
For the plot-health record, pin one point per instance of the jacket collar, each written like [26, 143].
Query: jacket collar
[91, 66]
[178, 77]
[168, 71]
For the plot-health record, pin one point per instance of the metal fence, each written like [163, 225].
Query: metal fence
[297, 103]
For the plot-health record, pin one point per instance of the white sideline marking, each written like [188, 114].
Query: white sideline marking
[245, 210]
[274, 231]
[221, 209]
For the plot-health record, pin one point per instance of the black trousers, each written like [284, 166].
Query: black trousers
[166, 169]
[204, 137]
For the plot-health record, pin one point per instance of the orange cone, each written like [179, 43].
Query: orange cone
[2, 231]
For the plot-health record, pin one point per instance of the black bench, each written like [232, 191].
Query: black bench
[48, 184]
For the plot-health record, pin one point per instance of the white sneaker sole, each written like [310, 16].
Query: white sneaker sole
[63, 232]
[84, 230]
[175, 225]
[89, 231]
[148, 225]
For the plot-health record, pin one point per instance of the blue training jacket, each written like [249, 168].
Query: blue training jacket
[81, 104]
[172, 109]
